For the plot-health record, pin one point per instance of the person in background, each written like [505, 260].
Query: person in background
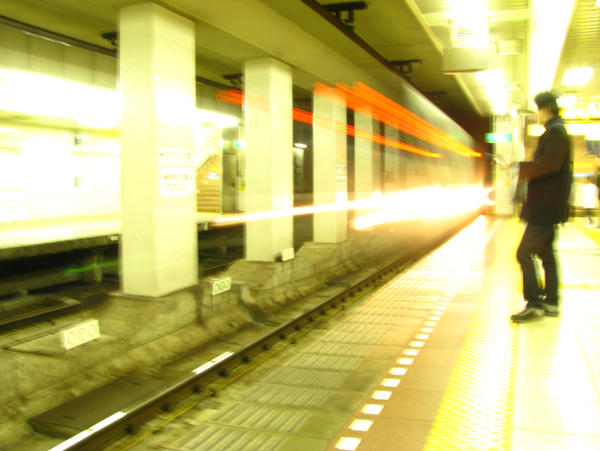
[549, 176]
[589, 200]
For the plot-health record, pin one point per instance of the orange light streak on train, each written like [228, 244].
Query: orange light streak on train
[236, 97]
[361, 97]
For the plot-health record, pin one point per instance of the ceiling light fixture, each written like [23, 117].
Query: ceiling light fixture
[493, 82]
[567, 101]
[577, 76]
[549, 22]
[470, 26]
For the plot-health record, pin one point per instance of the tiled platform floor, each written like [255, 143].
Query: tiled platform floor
[477, 381]
[556, 402]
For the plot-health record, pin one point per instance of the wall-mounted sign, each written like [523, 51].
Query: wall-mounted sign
[175, 156]
[498, 137]
[176, 182]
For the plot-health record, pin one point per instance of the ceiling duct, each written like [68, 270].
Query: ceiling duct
[468, 59]
[470, 46]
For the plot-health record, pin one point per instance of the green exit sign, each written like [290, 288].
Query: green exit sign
[498, 137]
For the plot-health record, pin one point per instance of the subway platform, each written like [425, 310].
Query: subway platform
[430, 360]
[468, 378]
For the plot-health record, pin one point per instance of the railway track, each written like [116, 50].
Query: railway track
[214, 375]
[52, 295]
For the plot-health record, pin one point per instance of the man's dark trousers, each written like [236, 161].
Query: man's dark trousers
[538, 240]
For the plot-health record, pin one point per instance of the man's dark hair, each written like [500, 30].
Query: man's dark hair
[547, 99]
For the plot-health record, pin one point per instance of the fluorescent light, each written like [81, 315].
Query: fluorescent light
[470, 23]
[567, 101]
[548, 28]
[492, 81]
[31, 93]
[577, 76]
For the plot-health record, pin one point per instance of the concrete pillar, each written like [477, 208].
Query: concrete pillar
[504, 179]
[269, 156]
[330, 167]
[378, 159]
[392, 161]
[363, 159]
[157, 74]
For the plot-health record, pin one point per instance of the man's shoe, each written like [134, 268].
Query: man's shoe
[551, 310]
[528, 314]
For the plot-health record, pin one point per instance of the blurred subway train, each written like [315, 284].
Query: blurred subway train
[408, 165]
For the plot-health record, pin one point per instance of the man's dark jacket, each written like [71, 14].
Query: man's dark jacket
[549, 174]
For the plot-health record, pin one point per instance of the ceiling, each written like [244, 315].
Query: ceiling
[322, 48]
[582, 49]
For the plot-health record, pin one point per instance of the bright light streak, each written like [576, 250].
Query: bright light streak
[425, 203]
[91, 106]
[31, 93]
[431, 202]
[9, 130]
[384, 109]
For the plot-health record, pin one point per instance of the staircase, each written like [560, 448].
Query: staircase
[208, 186]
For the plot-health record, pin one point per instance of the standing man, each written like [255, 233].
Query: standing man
[549, 178]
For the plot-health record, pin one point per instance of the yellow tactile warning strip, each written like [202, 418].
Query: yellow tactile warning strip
[379, 424]
[593, 233]
[475, 412]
